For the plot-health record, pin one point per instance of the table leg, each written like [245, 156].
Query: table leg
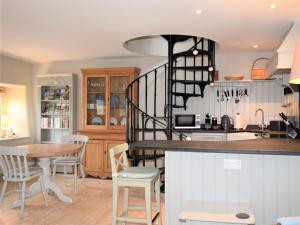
[48, 183]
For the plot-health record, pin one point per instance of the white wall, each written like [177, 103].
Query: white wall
[271, 94]
[14, 71]
[144, 63]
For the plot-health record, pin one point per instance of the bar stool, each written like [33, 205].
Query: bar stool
[133, 177]
[289, 220]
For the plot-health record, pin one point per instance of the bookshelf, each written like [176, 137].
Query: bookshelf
[57, 99]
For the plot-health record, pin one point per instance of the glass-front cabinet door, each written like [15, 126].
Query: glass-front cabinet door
[96, 87]
[118, 84]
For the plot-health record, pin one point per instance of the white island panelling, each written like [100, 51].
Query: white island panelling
[270, 183]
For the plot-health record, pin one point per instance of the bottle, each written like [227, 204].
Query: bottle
[214, 121]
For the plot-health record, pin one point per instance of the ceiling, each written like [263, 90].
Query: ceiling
[51, 30]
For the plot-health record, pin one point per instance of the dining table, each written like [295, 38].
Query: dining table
[44, 153]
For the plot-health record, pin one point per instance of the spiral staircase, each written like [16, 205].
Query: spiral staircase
[153, 98]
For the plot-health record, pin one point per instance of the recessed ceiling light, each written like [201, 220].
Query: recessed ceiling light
[273, 6]
[198, 11]
[255, 46]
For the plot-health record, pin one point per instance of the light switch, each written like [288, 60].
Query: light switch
[232, 164]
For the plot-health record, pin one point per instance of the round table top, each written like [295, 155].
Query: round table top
[51, 150]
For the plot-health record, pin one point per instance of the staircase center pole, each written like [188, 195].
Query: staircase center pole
[170, 97]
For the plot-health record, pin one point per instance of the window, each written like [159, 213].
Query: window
[2, 93]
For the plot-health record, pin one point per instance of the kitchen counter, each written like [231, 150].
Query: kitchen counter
[254, 130]
[272, 146]
[263, 173]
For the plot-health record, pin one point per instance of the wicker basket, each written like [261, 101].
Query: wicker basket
[258, 73]
[234, 77]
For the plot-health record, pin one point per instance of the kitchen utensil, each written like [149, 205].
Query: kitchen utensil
[222, 95]
[228, 96]
[240, 122]
[97, 121]
[113, 121]
[218, 95]
[123, 121]
[236, 100]
[100, 98]
[238, 77]
[291, 129]
[114, 101]
[100, 106]
[246, 92]
[217, 127]
[226, 122]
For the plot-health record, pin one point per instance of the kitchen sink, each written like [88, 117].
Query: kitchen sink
[246, 136]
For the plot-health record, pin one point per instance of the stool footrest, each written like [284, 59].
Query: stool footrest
[136, 220]
[131, 220]
[137, 207]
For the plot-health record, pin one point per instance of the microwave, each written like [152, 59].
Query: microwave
[187, 121]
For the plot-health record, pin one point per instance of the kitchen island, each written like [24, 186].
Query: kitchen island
[263, 172]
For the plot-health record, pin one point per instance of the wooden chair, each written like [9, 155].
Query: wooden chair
[133, 177]
[15, 168]
[72, 160]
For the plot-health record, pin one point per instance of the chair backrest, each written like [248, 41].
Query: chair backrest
[118, 158]
[76, 138]
[13, 162]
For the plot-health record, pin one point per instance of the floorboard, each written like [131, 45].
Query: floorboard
[91, 205]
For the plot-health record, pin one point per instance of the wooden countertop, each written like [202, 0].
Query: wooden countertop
[51, 150]
[272, 146]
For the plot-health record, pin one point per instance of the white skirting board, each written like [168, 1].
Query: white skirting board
[270, 183]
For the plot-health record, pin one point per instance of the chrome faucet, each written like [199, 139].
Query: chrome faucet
[262, 125]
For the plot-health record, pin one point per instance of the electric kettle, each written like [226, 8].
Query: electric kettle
[226, 122]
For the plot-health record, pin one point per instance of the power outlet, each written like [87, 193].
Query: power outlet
[232, 164]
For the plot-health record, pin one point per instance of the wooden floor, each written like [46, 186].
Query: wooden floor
[91, 205]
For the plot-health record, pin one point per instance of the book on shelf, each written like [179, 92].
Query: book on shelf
[56, 93]
[55, 108]
[54, 122]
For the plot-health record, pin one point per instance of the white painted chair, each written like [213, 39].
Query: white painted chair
[289, 220]
[72, 160]
[128, 177]
[15, 168]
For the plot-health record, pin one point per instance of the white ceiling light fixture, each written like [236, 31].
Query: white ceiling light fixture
[195, 52]
[273, 6]
[255, 46]
[198, 11]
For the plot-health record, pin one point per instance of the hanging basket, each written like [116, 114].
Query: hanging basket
[258, 73]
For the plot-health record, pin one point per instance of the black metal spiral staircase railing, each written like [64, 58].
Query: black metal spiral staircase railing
[152, 97]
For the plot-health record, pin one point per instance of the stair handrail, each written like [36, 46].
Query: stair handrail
[130, 102]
